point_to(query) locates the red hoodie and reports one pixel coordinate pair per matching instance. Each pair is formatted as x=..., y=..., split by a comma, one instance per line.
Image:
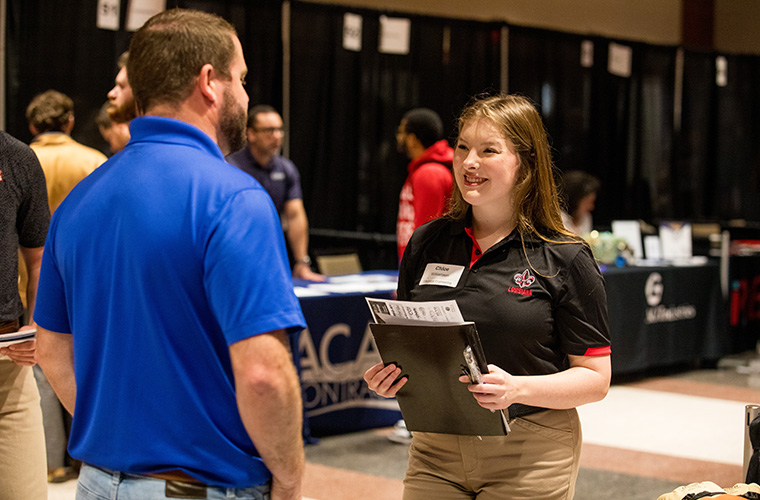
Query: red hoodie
x=426, y=191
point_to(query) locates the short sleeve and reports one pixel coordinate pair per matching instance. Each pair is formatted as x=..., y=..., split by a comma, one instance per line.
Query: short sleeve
x=247, y=278
x=294, y=181
x=581, y=315
x=50, y=311
x=34, y=213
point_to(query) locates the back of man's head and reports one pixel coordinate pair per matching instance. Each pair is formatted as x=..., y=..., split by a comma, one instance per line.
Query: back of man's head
x=425, y=124
x=123, y=59
x=50, y=111
x=167, y=53
x=103, y=119
x=257, y=110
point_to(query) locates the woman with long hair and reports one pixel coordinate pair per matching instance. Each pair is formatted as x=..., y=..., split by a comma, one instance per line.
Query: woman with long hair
x=537, y=298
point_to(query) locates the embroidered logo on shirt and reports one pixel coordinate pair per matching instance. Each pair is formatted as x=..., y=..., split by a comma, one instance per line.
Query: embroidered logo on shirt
x=523, y=280
x=1, y=176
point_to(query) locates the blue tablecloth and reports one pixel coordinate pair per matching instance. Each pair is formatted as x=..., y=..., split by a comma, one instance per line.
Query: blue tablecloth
x=336, y=350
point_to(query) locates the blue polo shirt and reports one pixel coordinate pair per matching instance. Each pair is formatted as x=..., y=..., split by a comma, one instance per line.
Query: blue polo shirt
x=280, y=178
x=156, y=263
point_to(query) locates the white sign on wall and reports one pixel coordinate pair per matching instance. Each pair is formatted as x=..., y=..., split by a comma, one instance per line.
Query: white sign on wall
x=352, y=32
x=619, y=60
x=394, y=35
x=141, y=10
x=721, y=71
x=108, y=15
x=587, y=54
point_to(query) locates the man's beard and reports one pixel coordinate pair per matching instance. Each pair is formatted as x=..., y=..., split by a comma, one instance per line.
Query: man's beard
x=124, y=113
x=232, y=124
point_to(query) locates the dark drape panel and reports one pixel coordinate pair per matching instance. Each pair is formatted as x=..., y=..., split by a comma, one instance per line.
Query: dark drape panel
x=55, y=44
x=650, y=160
x=719, y=144
x=345, y=106
x=695, y=173
x=546, y=66
x=736, y=187
x=259, y=27
x=585, y=109
x=617, y=128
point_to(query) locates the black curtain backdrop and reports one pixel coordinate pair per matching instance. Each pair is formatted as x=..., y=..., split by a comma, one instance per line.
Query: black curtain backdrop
x=259, y=27
x=617, y=128
x=735, y=193
x=695, y=172
x=55, y=44
x=346, y=105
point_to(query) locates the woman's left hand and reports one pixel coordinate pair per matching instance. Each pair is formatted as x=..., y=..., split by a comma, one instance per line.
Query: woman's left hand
x=497, y=391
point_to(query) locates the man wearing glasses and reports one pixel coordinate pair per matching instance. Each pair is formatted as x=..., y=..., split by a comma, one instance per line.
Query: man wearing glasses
x=280, y=178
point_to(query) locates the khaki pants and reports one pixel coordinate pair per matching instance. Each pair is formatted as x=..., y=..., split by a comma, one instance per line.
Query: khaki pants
x=23, y=469
x=539, y=459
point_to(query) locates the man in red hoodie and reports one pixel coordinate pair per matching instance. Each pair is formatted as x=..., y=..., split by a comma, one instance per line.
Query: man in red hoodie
x=428, y=186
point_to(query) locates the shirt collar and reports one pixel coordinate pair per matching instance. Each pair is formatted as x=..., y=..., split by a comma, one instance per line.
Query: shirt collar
x=169, y=130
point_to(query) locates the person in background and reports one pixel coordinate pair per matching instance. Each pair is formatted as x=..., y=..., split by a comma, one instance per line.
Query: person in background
x=166, y=300
x=425, y=192
x=579, y=190
x=537, y=298
x=428, y=185
x=24, y=218
x=123, y=108
x=280, y=177
x=116, y=134
x=65, y=162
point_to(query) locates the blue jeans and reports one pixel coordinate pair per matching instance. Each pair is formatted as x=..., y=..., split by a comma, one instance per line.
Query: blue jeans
x=97, y=484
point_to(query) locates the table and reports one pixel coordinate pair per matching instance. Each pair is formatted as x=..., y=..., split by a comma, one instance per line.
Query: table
x=335, y=351
x=659, y=316
x=665, y=315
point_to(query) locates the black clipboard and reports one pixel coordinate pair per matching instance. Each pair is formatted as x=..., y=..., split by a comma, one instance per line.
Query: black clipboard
x=431, y=356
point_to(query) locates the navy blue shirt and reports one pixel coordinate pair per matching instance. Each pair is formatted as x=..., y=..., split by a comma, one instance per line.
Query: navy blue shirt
x=280, y=178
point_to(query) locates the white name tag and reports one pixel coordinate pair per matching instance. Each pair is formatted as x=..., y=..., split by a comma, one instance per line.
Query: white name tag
x=442, y=275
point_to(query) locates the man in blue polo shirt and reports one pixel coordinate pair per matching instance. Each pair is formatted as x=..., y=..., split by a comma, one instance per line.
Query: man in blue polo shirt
x=167, y=298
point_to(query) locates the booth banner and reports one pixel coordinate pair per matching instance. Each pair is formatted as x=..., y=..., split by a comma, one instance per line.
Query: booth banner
x=335, y=351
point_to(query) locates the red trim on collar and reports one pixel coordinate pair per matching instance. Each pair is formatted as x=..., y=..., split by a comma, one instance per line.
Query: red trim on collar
x=598, y=351
x=476, y=251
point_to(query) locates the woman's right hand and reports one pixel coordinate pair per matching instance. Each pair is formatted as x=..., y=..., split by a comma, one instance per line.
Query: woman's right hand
x=380, y=378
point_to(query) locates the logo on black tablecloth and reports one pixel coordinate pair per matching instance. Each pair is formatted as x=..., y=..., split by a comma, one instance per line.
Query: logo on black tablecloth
x=653, y=289
x=659, y=313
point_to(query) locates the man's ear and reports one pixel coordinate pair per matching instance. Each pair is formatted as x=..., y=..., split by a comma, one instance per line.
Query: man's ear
x=415, y=142
x=208, y=83
x=69, y=125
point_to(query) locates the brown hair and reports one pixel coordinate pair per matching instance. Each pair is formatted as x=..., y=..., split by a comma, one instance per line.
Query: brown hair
x=255, y=111
x=167, y=53
x=536, y=209
x=50, y=111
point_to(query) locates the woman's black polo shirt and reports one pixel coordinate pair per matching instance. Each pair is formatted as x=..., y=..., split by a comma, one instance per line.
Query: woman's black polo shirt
x=532, y=306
